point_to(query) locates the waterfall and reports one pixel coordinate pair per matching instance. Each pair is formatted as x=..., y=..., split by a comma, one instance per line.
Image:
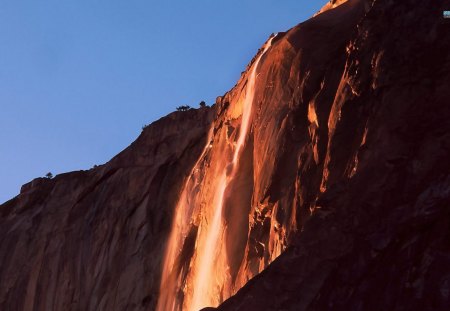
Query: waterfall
x=205, y=280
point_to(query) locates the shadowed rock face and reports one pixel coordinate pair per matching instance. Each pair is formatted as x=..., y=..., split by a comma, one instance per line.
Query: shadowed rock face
x=344, y=172
x=93, y=240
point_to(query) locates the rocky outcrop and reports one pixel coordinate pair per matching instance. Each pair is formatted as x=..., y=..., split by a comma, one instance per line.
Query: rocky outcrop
x=327, y=160
x=378, y=238
x=93, y=240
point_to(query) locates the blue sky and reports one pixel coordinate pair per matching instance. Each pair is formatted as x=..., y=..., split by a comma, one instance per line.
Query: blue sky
x=79, y=78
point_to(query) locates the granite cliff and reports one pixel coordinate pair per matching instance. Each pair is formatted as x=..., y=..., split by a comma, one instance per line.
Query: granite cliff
x=321, y=181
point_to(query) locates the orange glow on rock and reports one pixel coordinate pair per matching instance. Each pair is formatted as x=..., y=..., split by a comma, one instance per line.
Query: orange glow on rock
x=197, y=276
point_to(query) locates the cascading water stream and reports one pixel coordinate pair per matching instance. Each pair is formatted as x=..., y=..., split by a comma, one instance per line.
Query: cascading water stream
x=205, y=282
x=170, y=278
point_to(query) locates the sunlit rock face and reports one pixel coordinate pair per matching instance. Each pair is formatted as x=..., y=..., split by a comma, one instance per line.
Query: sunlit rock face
x=374, y=130
x=326, y=166
x=331, y=5
x=261, y=174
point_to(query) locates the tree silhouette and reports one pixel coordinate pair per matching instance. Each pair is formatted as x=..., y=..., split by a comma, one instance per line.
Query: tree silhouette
x=183, y=108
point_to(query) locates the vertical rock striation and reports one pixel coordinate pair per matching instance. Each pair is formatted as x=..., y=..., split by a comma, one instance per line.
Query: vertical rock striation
x=378, y=237
x=93, y=240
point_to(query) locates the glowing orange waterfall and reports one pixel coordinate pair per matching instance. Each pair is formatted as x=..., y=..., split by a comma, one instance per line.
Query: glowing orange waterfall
x=203, y=278
x=171, y=278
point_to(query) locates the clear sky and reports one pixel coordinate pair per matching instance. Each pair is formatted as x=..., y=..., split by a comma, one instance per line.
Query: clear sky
x=79, y=78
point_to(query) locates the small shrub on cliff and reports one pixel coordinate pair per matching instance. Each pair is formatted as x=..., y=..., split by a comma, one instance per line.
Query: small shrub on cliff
x=202, y=104
x=183, y=108
x=49, y=175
